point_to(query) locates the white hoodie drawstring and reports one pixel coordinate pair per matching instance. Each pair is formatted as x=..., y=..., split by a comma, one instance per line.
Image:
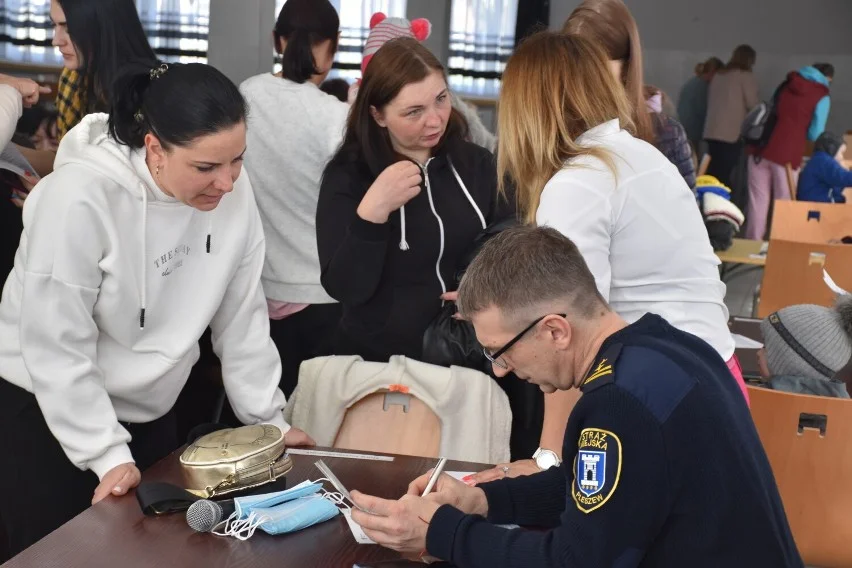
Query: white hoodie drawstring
x=403, y=244
x=143, y=287
x=467, y=194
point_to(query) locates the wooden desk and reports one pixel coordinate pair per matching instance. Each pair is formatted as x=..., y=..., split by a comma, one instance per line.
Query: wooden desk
x=115, y=533
x=747, y=327
x=743, y=251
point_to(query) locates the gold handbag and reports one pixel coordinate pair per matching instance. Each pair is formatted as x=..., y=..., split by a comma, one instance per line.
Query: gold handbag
x=234, y=459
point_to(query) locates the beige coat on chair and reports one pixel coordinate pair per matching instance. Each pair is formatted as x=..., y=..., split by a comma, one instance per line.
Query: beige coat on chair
x=474, y=411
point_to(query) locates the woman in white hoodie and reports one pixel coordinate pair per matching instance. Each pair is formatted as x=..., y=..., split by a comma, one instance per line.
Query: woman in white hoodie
x=144, y=235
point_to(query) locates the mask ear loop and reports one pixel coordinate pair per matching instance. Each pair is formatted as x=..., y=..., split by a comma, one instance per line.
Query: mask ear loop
x=227, y=523
x=247, y=528
x=333, y=496
x=336, y=498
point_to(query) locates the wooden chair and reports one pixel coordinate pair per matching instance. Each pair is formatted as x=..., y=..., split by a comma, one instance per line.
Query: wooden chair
x=794, y=274
x=808, y=441
x=803, y=242
x=703, y=165
x=405, y=425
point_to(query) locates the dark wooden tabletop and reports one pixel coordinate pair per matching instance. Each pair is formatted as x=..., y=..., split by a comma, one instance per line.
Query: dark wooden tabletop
x=748, y=327
x=115, y=533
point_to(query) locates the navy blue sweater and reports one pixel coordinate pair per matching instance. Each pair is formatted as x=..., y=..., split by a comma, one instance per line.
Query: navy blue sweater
x=823, y=180
x=663, y=467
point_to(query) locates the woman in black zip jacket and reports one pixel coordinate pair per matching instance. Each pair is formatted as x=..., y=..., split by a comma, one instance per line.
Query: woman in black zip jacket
x=400, y=204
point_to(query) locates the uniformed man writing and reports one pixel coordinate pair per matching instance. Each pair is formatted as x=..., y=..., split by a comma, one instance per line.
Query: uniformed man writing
x=663, y=465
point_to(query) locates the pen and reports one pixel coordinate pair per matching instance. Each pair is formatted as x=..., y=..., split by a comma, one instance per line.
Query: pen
x=436, y=473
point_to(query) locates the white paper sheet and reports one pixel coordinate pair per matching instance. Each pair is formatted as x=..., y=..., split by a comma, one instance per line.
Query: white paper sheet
x=743, y=342
x=357, y=532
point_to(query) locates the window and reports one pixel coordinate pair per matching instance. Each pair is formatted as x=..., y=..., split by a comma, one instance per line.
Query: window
x=482, y=37
x=26, y=32
x=176, y=29
x=354, y=27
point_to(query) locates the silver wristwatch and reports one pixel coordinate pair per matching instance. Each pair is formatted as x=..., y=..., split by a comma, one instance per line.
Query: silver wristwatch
x=545, y=459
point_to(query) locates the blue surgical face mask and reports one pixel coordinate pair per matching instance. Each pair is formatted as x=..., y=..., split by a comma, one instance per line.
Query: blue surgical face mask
x=244, y=506
x=283, y=518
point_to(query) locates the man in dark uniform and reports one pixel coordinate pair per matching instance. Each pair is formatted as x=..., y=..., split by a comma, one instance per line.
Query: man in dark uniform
x=663, y=464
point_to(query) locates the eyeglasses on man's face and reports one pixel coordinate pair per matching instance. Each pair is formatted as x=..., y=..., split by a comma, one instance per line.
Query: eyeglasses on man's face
x=496, y=358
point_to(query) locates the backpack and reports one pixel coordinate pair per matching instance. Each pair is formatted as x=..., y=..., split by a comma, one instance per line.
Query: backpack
x=760, y=121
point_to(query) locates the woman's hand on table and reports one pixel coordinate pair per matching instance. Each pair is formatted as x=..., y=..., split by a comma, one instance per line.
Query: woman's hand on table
x=296, y=437
x=117, y=481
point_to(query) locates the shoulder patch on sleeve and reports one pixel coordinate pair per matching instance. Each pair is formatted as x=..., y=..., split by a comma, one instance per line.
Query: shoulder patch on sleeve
x=597, y=468
x=603, y=371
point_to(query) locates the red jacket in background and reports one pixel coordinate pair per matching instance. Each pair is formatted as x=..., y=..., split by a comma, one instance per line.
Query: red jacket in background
x=795, y=110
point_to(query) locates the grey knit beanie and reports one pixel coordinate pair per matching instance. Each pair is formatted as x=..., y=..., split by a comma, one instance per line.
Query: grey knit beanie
x=809, y=341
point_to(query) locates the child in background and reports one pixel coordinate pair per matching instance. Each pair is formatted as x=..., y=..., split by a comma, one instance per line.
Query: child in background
x=806, y=347
x=824, y=179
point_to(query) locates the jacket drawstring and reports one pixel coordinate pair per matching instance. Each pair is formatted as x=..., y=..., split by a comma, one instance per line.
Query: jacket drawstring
x=403, y=244
x=143, y=300
x=467, y=194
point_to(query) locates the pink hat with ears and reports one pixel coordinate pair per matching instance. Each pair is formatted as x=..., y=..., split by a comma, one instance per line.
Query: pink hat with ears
x=383, y=29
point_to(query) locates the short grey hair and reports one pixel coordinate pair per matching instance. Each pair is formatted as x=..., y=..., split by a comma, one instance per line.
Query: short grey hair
x=529, y=267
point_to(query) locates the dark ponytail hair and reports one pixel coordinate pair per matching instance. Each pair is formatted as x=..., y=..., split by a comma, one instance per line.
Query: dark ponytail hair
x=177, y=103
x=303, y=24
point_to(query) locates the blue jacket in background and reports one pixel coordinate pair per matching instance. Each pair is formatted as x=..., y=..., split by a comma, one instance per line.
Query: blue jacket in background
x=823, y=179
x=820, y=117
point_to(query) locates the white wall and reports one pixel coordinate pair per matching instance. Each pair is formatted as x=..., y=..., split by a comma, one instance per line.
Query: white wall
x=240, y=42
x=787, y=34
x=438, y=13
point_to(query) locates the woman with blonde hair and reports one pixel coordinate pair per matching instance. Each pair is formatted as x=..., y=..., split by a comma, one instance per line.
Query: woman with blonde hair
x=610, y=24
x=567, y=140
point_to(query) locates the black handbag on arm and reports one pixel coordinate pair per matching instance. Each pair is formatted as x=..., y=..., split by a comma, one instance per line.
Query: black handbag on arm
x=449, y=341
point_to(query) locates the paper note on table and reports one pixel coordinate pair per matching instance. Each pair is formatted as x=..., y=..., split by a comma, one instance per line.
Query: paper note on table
x=359, y=534
x=743, y=342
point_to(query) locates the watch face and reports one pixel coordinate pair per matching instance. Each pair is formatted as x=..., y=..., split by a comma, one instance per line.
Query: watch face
x=546, y=459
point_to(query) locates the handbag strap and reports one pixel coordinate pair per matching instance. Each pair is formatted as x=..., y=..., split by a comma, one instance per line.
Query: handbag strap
x=160, y=498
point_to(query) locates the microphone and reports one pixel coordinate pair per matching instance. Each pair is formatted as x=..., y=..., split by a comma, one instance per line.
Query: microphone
x=204, y=515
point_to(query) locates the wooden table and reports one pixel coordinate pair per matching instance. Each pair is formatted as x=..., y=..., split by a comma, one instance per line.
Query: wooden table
x=748, y=327
x=115, y=533
x=744, y=251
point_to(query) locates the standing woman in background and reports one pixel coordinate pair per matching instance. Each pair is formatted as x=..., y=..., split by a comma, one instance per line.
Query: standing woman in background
x=732, y=93
x=563, y=141
x=96, y=39
x=610, y=24
x=692, y=101
x=294, y=129
x=145, y=234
